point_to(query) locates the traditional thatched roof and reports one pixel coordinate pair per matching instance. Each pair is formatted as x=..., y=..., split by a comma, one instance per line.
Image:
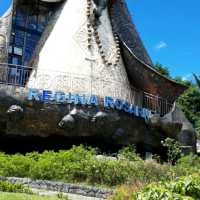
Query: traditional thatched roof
x=141, y=72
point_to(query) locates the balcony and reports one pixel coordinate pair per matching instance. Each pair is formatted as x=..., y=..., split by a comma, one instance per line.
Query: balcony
x=14, y=74
x=18, y=75
x=156, y=104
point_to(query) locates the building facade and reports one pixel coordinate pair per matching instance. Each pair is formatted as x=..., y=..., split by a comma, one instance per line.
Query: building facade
x=88, y=56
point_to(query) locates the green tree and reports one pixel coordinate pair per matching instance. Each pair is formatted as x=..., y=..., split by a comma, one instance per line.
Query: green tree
x=190, y=104
x=197, y=80
x=190, y=99
x=162, y=70
x=180, y=79
x=173, y=149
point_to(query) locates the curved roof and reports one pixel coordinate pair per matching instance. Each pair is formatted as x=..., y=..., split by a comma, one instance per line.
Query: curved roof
x=139, y=66
x=123, y=25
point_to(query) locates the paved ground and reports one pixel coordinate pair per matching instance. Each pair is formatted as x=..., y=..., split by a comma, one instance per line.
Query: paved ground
x=70, y=196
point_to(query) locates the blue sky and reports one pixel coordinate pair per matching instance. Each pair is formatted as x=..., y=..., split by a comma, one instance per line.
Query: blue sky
x=170, y=31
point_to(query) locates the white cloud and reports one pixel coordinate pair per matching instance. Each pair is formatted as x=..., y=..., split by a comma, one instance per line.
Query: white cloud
x=161, y=45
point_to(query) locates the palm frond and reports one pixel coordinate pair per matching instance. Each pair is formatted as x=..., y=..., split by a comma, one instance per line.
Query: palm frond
x=197, y=80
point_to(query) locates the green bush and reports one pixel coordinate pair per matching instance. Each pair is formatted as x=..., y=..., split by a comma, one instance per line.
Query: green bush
x=129, y=153
x=156, y=192
x=184, y=188
x=187, y=165
x=80, y=164
x=173, y=149
x=110, y=172
x=6, y=186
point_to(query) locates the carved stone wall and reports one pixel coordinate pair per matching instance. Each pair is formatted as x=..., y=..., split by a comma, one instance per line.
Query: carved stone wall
x=65, y=63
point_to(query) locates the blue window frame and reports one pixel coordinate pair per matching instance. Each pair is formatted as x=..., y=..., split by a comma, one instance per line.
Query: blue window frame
x=28, y=24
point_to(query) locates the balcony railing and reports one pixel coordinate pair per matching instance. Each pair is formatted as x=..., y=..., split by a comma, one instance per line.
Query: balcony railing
x=18, y=75
x=14, y=74
x=156, y=104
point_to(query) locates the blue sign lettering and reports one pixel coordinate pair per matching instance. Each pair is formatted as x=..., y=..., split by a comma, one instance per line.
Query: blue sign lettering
x=33, y=94
x=109, y=102
x=132, y=110
x=80, y=99
x=126, y=106
x=93, y=100
x=60, y=97
x=47, y=95
x=118, y=104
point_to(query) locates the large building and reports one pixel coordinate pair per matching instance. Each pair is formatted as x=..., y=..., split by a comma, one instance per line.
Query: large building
x=78, y=69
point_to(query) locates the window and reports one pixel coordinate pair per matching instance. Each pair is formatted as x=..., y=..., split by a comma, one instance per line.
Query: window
x=28, y=23
x=15, y=60
x=32, y=22
x=18, y=51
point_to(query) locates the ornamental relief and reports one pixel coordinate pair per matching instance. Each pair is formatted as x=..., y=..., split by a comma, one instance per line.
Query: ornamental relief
x=81, y=39
x=108, y=45
x=61, y=82
x=80, y=85
x=103, y=79
x=43, y=81
x=71, y=83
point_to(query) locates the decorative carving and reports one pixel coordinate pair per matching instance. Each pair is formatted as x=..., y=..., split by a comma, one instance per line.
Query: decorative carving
x=83, y=84
x=61, y=82
x=43, y=81
x=106, y=75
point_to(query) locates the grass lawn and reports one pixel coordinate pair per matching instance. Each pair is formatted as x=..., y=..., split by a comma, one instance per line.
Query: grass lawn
x=17, y=196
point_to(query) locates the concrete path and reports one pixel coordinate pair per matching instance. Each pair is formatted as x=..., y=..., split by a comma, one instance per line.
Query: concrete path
x=69, y=195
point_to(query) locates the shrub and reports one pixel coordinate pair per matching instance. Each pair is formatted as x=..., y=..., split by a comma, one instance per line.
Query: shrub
x=80, y=164
x=184, y=188
x=173, y=149
x=110, y=172
x=6, y=186
x=129, y=153
x=155, y=192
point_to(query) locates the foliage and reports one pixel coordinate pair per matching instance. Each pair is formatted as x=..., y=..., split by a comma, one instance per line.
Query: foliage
x=6, y=186
x=197, y=80
x=184, y=188
x=17, y=196
x=61, y=196
x=190, y=104
x=190, y=100
x=78, y=164
x=173, y=149
x=180, y=79
x=81, y=164
x=129, y=153
x=187, y=165
x=162, y=70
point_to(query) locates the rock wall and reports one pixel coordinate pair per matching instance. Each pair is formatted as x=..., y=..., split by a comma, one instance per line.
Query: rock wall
x=20, y=117
x=62, y=187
